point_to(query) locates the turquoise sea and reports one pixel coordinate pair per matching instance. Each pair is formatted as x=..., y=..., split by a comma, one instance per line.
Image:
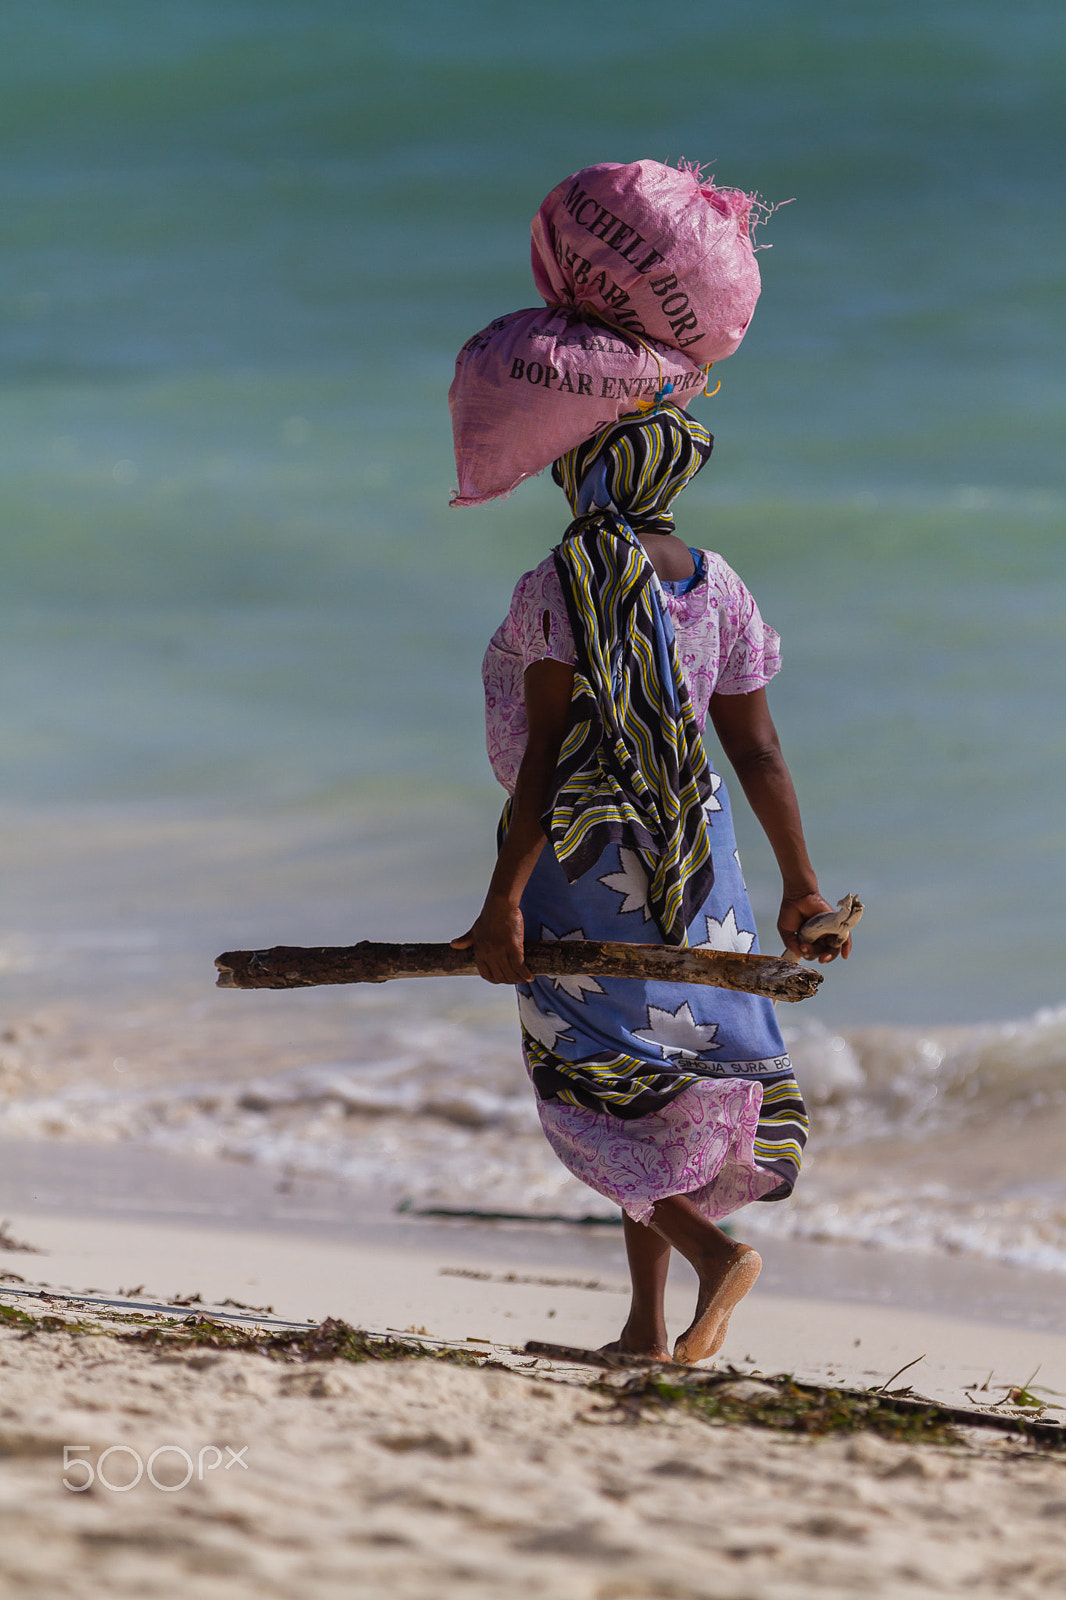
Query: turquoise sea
x=240, y=626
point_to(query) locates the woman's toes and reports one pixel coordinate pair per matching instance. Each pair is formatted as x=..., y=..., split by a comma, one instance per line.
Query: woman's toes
x=706, y=1335
x=653, y=1350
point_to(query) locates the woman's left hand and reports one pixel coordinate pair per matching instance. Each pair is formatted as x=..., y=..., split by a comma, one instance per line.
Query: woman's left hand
x=795, y=911
x=498, y=942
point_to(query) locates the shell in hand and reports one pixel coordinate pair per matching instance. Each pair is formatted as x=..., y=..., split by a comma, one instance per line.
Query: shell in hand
x=833, y=926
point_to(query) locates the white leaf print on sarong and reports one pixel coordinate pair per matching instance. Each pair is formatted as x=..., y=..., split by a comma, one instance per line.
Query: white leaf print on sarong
x=545, y=1026
x=712, y=804
x=577, y=985
x=677, y=1033
x=631, y=883
x=725, y=935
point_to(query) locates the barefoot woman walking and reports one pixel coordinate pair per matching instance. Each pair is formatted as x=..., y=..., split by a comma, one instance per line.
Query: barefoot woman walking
x=677, y=1102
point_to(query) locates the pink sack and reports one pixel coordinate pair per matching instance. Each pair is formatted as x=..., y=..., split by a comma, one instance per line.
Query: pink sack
x=534, y=384
x=653, y=249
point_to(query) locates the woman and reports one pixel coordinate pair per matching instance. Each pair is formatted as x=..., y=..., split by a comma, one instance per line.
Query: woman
x=676, y=1101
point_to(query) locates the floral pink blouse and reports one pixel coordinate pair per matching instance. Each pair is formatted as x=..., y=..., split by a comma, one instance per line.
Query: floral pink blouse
x=724, y=645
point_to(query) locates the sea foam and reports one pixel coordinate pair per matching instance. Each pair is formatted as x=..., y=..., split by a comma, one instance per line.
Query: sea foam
x=440, y=1113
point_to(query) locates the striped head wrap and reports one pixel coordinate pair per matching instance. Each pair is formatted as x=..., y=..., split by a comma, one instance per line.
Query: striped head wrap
x=632, y=769
x=636, y=466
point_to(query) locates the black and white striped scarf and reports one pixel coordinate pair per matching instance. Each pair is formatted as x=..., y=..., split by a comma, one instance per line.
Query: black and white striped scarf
x=632, y=769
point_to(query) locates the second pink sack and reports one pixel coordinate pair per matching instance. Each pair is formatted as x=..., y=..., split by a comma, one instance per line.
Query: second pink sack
x=532, y=385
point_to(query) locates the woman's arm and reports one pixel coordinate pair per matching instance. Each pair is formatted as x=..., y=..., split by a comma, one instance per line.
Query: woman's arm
x=747, y=734
x=498, y=935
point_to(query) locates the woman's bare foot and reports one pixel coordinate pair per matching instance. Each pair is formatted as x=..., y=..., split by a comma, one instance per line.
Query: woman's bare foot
x=644, y=1333
x=653, y=1351
x=722, y=1287
x=641, y=1336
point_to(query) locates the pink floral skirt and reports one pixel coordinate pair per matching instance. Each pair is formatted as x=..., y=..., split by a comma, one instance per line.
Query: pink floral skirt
x=701, y=1145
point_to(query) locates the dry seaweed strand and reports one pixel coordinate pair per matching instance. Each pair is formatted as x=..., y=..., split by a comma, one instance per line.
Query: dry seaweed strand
x=7, y=1242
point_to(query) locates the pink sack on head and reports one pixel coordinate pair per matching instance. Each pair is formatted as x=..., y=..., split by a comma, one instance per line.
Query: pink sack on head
x=652, y=248
x=534, y=384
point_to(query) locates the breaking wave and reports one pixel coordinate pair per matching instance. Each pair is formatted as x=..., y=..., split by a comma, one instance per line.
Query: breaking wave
x=441, y=1114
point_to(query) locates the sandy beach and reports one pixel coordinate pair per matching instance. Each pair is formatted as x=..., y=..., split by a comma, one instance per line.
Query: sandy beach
x=421, y=1478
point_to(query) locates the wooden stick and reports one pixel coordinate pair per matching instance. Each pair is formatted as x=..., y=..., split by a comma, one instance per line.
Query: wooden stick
x=294, y=967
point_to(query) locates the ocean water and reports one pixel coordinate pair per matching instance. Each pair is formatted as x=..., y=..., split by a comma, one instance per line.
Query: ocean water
x=240, y=626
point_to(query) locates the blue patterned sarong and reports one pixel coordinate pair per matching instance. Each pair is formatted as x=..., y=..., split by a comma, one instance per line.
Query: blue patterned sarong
x=629, y=1048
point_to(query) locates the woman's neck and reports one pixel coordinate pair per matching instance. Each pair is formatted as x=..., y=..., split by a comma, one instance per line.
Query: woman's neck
x=670, y=556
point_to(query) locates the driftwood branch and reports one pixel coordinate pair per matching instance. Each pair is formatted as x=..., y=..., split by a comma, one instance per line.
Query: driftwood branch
x=296, y=967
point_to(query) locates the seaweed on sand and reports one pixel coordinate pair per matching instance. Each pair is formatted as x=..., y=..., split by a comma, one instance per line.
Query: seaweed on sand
x=786, y=1405
x=782, y=1404
x=331, y=1340
x=11, y=1316
x=632, y=1388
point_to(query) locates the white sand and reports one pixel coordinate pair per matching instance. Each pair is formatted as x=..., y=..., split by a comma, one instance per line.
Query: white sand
x=423, y=1480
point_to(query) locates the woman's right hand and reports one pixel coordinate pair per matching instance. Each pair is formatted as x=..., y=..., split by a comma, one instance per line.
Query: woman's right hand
x=795, y=911
x=498, y=941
